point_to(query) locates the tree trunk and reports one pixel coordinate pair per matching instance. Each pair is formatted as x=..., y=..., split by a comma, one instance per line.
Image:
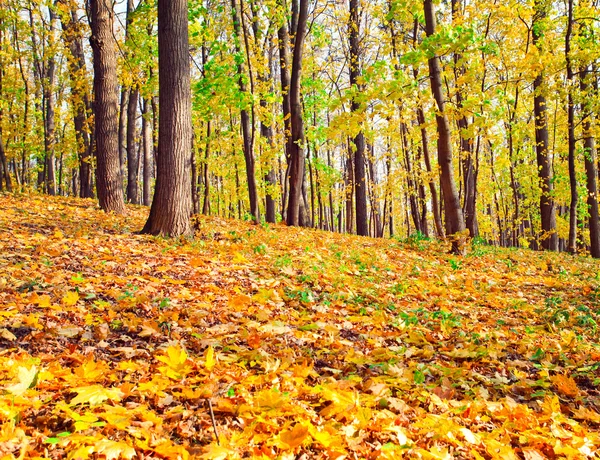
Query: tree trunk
x=108, y=178
x=453, y=212
x=549, y=237
x=133, y=158
x=50, y=125
x=206, y=199
x=147, y=148
x=80, y=97
x=360, y=186
x=572, y=243
x=172, y=203
x=297, y=124
x=245, y=119
x=591, y=166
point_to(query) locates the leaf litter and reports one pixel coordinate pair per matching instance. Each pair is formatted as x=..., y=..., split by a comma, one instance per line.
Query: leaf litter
x=267, y=342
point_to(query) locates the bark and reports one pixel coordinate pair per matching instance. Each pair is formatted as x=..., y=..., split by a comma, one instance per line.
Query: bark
x=206, y=198
x=49, y=98
x=591, y=166
x=245, y=119
x=466, y=147
x=453, y=212
x=147, y=148
x=4, y=173
x=360, y=186
x=572, y=242
x=266, y=130
x=133, y=158
x=123, y=132
x=172, y=203
x=297, y=156
x=108, y=178
x=549, y=237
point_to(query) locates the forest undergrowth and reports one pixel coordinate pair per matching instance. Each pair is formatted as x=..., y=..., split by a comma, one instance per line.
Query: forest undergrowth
x=296, y=343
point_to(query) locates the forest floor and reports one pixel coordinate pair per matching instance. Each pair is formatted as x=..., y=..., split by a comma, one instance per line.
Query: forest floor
x=297, y=343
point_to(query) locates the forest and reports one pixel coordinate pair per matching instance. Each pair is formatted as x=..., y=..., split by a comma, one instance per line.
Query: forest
x=461, y=119
x=297, y=230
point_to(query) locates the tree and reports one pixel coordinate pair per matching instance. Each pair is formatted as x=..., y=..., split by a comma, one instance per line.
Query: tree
x=297, y=156
x=453, y=212
x=549, y=237
x=360, y=186
x=108, y=177
x=80, y=98
x=172, y=204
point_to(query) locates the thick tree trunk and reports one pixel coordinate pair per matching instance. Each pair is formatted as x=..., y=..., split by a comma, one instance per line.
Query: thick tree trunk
x=360, y=186
x=454, y=216
x=297, y=158
x=172, y=203
x=591, y=166
x=549, y=237
x=108, y=178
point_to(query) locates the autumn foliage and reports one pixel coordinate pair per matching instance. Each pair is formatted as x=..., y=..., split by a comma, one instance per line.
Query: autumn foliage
x=297, y=343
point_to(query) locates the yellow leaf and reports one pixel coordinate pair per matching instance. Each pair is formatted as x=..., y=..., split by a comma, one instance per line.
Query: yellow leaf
x=214, y=452
x=27, y=379
x=176, y=361
x=95, y=394
x=294, y=437
x=43, y=301
x=238, y=258
x=70, y=299
x=114, y=450
x=210, y=358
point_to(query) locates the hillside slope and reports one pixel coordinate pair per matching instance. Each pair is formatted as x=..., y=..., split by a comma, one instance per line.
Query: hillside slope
x=306, y=344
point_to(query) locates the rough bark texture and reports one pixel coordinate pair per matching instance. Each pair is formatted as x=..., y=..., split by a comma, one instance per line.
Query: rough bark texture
x=360, y=186
x=591, y=168
x=108, y=177
x=454, y=217
x=297, y=156
x=549, y=237
x=172, y=204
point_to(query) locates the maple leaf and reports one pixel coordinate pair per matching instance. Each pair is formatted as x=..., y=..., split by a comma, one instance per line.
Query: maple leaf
x=113, y=450
x=294, y=437
x=176, y=360
x=95, y=395
x=70, y=299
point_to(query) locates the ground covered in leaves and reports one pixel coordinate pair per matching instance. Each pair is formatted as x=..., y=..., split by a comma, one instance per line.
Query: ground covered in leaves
x=296, y=343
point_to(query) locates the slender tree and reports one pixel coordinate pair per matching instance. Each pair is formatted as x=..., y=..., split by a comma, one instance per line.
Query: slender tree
x=108, y=177
x=455, y=222
x=360, y=186
x=172, y=204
